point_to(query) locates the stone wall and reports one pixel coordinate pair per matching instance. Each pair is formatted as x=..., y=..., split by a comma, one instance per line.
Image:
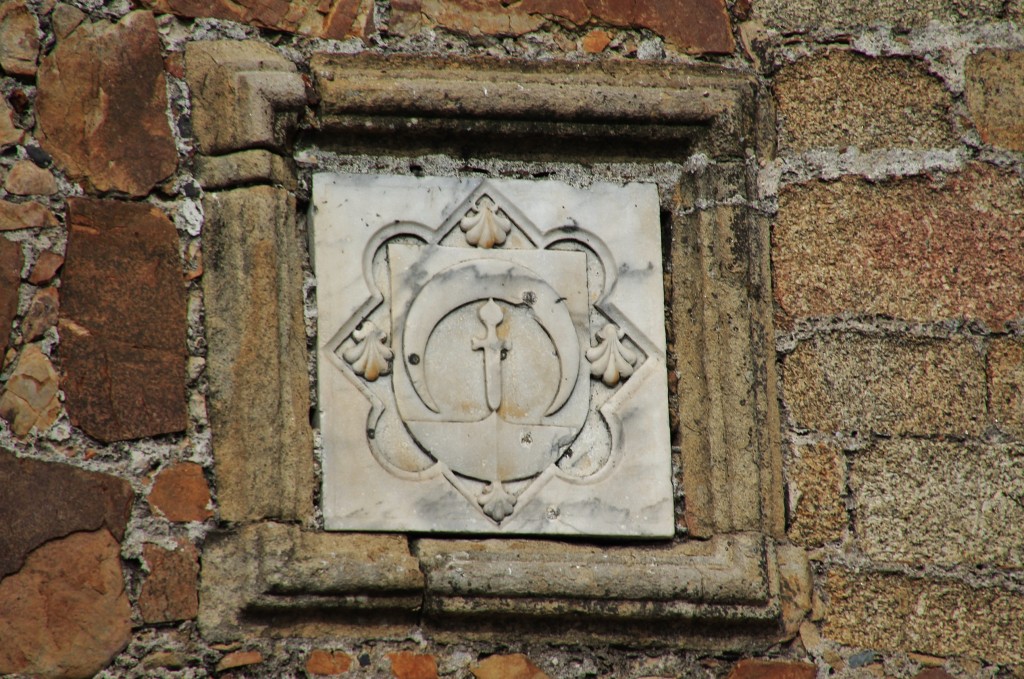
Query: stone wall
x=897, y=255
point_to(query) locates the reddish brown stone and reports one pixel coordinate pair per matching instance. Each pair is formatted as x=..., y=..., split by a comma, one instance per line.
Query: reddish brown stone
x=76, y=500
x=65, y=613
x=239, y=659
x=11, y=261
x=181, y=493
x=326, y=663
x=413, y=666
x=933, y=673
x=101, y=106
x=9, y=134
x=514, y=666
x=46, y=267
x=41, y=314
x=769, y=669
x=30, y=398
x=595, y=41
x=320, y=18
x=993, y=89
x=28, y=179
x=19, y=42
x=170, y=592
x=66, y=18
x=694, y=26
x=122, y=321
x=29, y=215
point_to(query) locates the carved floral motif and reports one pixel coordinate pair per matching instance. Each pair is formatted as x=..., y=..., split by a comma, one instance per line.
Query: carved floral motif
x=371, y=356
x=497, y=502
x=610, y=360
x=488, y=227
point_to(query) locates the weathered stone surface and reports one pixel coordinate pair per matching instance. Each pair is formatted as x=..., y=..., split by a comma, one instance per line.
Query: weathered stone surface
x=45, y=268
x=41, y=314
x=244, y=167
x=945, y=503
x=891, y=612
x=127, y=147
x=595, y=41
x=406, y=665
x=239, y=659
x=334, y=19
x=66, y=18
x=912, y=248
x=65, y=614
x=28, y=215
x=11, y=261
x=30, y=398
x=831, y=16
x=513, y=666
x=772, y=669
x=19, y=40
x=694, y=26
x=180, y=493
x=994, y=88
x=122, y=321
x=796, y=586
x=816, y=485
x=326, y=663
x=843, y=99
x=1006, y=385
x=244, y=94
x=76, y=500
x=256, y=361
x=169, y=592
x=9, y=134
x=28, y=179
x=848, y=382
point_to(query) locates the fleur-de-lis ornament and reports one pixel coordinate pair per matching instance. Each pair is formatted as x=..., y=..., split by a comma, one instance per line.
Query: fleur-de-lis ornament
x=371, y=356
x=488, y=227
x=610, y=360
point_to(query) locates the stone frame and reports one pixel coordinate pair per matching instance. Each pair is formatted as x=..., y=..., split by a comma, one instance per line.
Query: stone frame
x=264, y=572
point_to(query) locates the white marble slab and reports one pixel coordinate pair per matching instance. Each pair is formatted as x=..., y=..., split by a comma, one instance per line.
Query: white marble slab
x=491, y=356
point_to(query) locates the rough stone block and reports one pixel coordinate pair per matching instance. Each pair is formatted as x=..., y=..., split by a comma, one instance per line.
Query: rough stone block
x=256, y=360
x=41, y=314
x=321, y=662
x=65, y=613
x=694, y=26
x=944, y=503
x=27, y=215
x=816, y=482
x=244, y=167
x=28, y=179
x=11, y=261
x=914, y=248
x=893, y=612
x=122, y=321
x=405, y=665
x=169, y=592
x=332, y=19
x=180, y=493
x=512, y=666
x=831, y=16
x=772, y=669
x=843, y=99
x=995, y=88
x=9, y=133
x=1006, y=385
x=243, y=94
x=19, y=39
x=848, y=382
x=76, y=500
x=30, y=397
x=127, y=147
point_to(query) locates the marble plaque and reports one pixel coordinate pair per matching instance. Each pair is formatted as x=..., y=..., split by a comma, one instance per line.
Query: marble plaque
x=491, y=356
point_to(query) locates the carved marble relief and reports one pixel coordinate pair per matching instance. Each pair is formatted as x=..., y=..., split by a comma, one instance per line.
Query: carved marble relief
x=491, y=356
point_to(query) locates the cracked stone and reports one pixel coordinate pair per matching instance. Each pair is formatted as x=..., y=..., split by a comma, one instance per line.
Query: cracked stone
x=30, y=397
x=41, y=314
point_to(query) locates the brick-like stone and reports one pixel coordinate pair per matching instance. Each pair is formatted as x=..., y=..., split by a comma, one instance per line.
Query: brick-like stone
x=127, y=147
x=914, y=248
x=842, y=16
x=843, y=99
x=28, y=179
x=892, y=612
x=817, y=483
x=244, y=167
x=513, y=666
x=239, y=659
x=1006, y=385
x=328, y=663
x=180, y=493
x=19, y=39
x=170, y=590
x=11, y=261
x=65, y=613
x=29, y=399
x=693, y=26
x=45, y=268
x=772, y=669
x=946, y=503
x=892, y=386
x=122, y=321
x=41, y=314
x=994, y=89
x=406, y=665
x=256, y=360
x=9, y=133
x=76, y=500
x=333, y=19
x=27, y=215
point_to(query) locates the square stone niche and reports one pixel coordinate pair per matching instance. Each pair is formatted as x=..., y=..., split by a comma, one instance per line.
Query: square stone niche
x=546, y=404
